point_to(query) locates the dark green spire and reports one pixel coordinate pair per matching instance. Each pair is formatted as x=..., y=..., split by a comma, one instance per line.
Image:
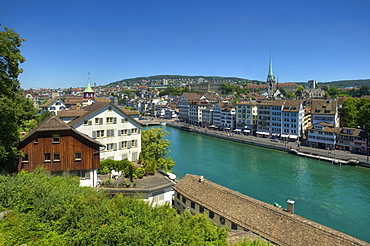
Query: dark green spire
x=270, y=76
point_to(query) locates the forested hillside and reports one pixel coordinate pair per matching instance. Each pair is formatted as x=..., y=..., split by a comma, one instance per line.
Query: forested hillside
x=181, y=79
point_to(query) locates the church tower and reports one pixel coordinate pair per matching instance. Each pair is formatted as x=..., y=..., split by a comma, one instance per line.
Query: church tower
x=88, y=92
x=271, y=81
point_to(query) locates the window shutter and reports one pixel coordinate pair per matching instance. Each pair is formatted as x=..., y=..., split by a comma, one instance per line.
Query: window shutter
x=112, y=132
x=129, y=132
x=119, y=132
x=115, y=146
x=90, y=122
x=101, y=121
x=129, y=144
x=115, y=120
x=94, y=134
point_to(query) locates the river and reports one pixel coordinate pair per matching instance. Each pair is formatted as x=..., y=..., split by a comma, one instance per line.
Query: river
x=337, y=196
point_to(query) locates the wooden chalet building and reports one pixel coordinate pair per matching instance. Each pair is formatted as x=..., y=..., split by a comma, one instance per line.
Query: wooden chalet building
x=60, y=148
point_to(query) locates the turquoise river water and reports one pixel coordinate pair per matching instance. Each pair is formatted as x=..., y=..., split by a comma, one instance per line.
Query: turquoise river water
x=337, y=196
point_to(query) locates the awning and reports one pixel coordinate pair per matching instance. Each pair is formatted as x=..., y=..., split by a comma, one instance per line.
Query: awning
x=247, y=131
x=293, y=136
x=227, y=128
x=237, y=130
x=284, y=136
x=263, y=133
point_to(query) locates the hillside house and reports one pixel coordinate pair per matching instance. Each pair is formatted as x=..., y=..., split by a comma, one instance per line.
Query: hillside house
x=60, y=148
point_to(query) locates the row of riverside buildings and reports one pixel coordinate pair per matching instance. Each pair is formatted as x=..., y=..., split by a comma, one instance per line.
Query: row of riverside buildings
x=315, y=122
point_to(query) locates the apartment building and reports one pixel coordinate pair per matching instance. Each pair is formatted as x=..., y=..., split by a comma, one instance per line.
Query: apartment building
x=118, y=132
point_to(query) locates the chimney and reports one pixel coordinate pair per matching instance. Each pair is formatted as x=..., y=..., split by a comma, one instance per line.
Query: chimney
x=201, y=179
x=290, y=206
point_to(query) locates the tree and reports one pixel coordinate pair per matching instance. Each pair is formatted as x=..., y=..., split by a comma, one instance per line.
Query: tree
x=299, y=91
x=333, y=91
x=350, y=112
x=363, y=104
x=14, y=108
x=154, y=151
x=57, y=211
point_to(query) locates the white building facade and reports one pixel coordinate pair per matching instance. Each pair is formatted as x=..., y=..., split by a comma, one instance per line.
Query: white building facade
x=119, y=133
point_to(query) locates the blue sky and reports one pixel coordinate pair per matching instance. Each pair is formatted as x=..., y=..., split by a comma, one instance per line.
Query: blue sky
x=117, y=39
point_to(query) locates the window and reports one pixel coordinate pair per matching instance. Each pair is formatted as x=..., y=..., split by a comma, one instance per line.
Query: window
x=122, y=132
x=211, y=215
x=201, y=209
x=87, y=122
x=47, y=157
x=25, y=158
x=178, y=196
x=222, y=220
x=36, y=141
x=78, y=156
x=123, y=120
x=123, y=145
x=56, y=157
x=56, y=138
x=134, y=143
x=183, y=200
x=98, y=121
x=98, y=134
x=111, y=120
x=192, y=205
x=110, y=133
x=234, y=226
x=109, y=146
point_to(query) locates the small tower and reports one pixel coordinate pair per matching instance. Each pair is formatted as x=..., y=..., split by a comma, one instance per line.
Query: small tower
x=271, y=80
x=88, y=92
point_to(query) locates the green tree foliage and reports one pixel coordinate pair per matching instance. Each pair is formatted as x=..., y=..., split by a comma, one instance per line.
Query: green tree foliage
x=57, y=211
x=178, y=91
x=154, y=150
x=350, y=113
x=229, y=88
x=14, y=108
x=333, y=92
x=299, y=90
x=363, y=104
x=283, y=92
x=356, y=112
x=362, y=91
x=107, y=165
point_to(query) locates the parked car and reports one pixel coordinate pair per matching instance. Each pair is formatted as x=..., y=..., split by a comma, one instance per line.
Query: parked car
x=274, y=140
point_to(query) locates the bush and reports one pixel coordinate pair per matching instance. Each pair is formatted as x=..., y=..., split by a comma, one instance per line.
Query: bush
x=107, y=165
x=140, y=172
x=57, y=211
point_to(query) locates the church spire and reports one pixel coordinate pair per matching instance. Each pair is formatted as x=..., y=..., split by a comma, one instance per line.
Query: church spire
x=271, y=80
x=89, y=92
x=270, y=76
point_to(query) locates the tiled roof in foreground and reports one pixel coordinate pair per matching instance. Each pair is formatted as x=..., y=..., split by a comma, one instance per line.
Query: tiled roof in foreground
x=272, y=223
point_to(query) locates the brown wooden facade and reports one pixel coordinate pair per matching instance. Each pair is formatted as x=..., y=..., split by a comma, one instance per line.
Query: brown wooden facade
x=59, y=150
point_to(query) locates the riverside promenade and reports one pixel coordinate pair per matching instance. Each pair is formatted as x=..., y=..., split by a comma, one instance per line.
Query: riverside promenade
x=334, y=156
